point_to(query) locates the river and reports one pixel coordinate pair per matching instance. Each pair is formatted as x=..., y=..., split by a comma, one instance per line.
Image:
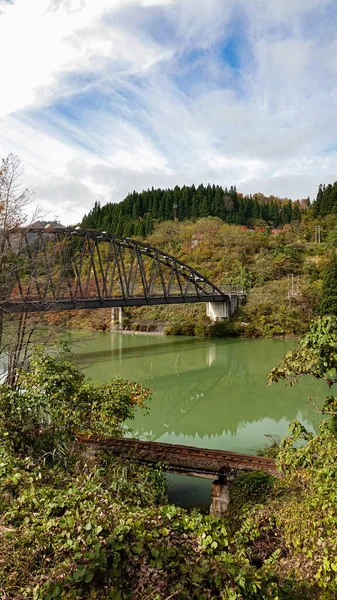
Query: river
x=207, y=393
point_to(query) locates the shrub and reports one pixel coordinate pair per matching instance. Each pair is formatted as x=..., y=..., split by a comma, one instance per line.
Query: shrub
x=54, y=402
x=222, y=329
x=78, y=535
x=185, y=328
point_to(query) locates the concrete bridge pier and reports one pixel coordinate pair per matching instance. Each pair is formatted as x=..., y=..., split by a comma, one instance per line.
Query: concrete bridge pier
x=219, y=311
x=116, y=318
x=235, y=301
x=220, y=496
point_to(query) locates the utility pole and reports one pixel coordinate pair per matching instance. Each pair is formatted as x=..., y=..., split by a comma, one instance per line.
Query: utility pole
x=175, y=206
x=293, y=285
x=317, y=234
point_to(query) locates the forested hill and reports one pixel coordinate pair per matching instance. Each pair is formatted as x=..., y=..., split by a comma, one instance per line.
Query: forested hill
x=135, y=215
x=326, y=201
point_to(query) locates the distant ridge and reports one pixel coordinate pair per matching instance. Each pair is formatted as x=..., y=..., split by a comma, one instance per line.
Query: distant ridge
x=136, y=214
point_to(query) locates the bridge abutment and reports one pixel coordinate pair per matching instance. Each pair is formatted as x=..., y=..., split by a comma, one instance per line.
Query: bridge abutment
x=116, y=322
x=219, y=311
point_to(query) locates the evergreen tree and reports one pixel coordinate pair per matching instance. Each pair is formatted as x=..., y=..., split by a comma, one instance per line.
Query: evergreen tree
x=219, y=205
x=136, y=212
x=194, y=207
x=296, y=216
x=328, y=304
x=273, y=214
x=256, y=210
x=326, y=200
x=148, y=225
x=203, y=208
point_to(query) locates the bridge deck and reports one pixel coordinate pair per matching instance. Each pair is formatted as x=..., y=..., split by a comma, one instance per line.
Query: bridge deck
x=15, y=306
x=186, y=460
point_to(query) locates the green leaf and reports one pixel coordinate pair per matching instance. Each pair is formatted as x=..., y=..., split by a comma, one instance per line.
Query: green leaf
x=79, y=573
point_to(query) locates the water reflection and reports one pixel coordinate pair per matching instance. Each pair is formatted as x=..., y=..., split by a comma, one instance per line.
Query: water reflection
x=209, y=393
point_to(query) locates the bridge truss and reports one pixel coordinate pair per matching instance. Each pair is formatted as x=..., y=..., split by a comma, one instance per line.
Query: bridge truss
x=64, y=269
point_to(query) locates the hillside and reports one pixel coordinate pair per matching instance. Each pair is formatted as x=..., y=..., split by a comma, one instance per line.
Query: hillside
x=281, y=272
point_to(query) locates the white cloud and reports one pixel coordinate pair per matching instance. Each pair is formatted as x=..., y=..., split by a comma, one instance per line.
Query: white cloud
x=42, y=46
x=135, y=112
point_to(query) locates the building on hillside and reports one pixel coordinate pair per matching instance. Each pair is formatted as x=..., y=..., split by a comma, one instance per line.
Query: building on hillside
x=38, y=224
x=47, y=225
x=196, y=239
x=54, y=225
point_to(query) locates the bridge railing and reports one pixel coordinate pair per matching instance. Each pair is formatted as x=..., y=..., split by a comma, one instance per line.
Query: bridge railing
x=233, y=289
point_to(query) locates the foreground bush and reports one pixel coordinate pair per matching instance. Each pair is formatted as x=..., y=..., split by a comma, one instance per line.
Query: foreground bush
x=78, y=525
x=82, y=534
x=293, y=528
x=53, y=402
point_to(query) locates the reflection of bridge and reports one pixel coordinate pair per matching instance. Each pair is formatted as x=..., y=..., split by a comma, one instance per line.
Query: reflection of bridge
x=63, y=269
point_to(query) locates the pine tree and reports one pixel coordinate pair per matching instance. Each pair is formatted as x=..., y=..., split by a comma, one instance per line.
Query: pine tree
x=203, y=208
x=296, y=216
x=256, y=210
x=317, y=206
x=328, y=304
x=194, y=206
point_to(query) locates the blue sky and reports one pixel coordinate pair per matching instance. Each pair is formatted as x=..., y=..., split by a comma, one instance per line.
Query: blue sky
x=103, y=97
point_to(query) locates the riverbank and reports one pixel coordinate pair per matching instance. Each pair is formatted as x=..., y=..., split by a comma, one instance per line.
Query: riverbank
x=187, y=320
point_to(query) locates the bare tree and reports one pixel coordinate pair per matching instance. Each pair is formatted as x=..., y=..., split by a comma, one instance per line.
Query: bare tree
x=13, y=199
x=17, y=331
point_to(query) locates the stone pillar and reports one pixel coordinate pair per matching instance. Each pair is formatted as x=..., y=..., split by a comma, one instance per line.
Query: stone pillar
x=220, y=497
x=116, y=318
x=218, y=311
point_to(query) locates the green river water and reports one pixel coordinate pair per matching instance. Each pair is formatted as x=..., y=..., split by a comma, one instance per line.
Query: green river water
x=207, y=393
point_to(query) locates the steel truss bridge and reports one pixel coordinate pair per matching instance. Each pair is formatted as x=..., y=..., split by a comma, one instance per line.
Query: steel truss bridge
x=71, y=269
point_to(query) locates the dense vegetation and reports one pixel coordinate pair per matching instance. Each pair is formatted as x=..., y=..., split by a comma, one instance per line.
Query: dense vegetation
x=281, y=273
x=137, y=214
x=328, y=304
x=77, y=524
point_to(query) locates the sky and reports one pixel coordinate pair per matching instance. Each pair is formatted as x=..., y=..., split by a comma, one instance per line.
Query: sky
x=103, y=97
